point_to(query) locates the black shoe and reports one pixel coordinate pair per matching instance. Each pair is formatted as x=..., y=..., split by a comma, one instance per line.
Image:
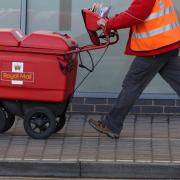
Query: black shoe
x=99, y=126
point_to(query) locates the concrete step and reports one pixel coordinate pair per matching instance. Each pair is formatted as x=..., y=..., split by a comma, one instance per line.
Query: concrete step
x=90, y=169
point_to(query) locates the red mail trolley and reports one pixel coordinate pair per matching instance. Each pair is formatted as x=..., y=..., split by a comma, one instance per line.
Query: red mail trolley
x=38, y=75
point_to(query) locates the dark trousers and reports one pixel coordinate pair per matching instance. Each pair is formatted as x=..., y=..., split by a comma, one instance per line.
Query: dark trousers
x=141, y=72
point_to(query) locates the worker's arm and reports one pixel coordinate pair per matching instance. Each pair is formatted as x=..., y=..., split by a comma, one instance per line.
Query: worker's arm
x=138, y=11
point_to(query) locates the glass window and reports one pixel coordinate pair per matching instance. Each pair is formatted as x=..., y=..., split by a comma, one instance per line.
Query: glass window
x=10, y=13
x=43, y=14
x=65, y=16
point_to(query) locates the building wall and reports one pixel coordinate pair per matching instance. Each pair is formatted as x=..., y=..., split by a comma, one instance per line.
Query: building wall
x=65, y=16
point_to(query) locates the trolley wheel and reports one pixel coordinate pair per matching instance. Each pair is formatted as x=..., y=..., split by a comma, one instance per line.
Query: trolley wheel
x=39, y=123
x=10, y=118
x=2, y=120
x=60, y=122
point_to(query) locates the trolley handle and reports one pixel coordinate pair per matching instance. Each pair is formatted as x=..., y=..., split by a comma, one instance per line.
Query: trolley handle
x=112, y=34
x=108, y=42
x=92, y=47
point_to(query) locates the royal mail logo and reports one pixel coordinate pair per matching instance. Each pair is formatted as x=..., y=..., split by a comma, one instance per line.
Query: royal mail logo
x=17, y=76
x=10, y=76
x=17, y=67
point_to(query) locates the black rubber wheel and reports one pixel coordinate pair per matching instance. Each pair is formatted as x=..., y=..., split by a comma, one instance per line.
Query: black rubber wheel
x=60, y=122
x=2, y=120
x=39, y=123
x=9, y=120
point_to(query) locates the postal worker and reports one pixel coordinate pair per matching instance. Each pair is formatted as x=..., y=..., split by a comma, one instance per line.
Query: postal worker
x=154, y=40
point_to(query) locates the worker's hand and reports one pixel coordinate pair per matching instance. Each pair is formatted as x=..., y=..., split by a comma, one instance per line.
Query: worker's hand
x=102, y=23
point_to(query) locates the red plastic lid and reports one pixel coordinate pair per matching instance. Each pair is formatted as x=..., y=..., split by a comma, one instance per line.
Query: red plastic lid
x=10, y=37
x=48, y=40
x=90, y=19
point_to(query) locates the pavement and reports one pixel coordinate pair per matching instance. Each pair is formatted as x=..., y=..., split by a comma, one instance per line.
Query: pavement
x=41, y=178
x=149, y=147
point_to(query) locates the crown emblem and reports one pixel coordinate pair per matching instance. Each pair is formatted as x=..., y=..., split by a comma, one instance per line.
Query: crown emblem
x=17, y=67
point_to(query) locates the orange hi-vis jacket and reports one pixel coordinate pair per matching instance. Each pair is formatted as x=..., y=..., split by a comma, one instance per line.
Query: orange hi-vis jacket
x=160, y=29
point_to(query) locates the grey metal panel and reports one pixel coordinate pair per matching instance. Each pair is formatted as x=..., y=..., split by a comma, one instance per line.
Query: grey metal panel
x=65, y=15
x=23, y=18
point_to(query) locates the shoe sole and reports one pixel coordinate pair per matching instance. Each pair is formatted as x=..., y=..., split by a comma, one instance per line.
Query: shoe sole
x=111, y=135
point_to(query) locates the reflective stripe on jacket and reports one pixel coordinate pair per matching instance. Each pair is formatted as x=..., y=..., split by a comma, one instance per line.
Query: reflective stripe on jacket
x=160, y=29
